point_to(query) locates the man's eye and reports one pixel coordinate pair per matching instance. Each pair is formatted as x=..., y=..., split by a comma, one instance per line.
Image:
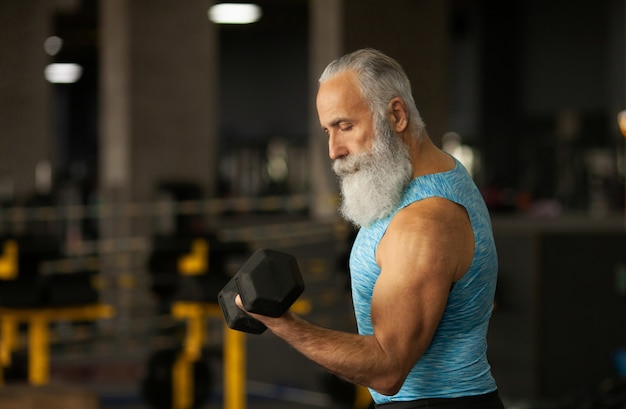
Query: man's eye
x=346, y=128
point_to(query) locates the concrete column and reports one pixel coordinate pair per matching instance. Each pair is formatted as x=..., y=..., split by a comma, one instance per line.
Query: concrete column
x=158, y=91
x=326, y=39
x=115, y=95
x=26, y=131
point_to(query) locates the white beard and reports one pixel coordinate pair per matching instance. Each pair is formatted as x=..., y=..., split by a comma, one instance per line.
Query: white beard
x=372, y=183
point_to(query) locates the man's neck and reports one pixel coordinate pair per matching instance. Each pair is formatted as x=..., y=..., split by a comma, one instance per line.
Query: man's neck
x=426, y=158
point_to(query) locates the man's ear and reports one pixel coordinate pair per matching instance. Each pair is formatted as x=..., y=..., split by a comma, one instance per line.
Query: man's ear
x=398, y=115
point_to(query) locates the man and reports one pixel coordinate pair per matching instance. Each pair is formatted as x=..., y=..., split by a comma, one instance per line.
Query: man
x=423, y=265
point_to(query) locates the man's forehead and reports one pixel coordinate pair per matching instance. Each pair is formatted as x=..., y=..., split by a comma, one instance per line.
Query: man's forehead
x=340, y=92
x=344, y=81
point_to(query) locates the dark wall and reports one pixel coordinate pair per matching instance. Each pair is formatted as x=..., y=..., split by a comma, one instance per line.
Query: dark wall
x=264, y=76
x=559, y=316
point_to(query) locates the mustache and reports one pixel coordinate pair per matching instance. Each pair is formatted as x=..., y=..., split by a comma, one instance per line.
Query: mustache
x=351, y=164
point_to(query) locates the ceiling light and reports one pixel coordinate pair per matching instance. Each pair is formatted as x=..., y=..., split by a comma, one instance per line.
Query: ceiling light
x=63, y=73
x=53, y=45
x=234, y=13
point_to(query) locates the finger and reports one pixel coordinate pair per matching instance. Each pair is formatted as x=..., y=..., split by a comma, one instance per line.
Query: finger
x=239, y=302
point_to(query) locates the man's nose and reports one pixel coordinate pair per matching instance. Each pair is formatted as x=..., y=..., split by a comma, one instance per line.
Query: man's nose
x=336, y=149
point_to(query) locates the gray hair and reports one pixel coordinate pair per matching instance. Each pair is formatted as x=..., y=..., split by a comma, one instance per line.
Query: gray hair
x=380, y=78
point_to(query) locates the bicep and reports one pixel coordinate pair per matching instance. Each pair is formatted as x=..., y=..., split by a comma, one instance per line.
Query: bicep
x=407, y=305
x=410, y=296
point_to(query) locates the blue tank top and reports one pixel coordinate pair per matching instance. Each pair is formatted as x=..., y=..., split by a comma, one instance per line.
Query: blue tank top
x=455, y=363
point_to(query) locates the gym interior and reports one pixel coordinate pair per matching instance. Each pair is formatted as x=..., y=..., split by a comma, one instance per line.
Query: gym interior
x=148, y=149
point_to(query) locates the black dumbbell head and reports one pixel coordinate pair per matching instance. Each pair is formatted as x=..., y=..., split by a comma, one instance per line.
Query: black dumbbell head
x=269, y=282
x=234, y=316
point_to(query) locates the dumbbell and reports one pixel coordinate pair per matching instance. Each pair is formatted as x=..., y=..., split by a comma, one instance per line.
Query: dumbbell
x=268, y=283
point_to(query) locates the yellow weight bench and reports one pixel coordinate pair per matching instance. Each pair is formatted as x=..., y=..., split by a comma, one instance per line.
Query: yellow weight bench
x=234, y=354
x=38, y=320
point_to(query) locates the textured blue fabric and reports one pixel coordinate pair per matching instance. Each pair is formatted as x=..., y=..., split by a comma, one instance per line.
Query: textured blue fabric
x=455, y=364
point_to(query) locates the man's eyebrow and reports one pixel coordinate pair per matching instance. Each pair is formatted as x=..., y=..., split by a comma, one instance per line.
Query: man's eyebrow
x=338, y=121
x=335, y=122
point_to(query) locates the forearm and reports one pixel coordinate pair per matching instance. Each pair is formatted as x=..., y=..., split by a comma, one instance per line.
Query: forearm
x=355, y=358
